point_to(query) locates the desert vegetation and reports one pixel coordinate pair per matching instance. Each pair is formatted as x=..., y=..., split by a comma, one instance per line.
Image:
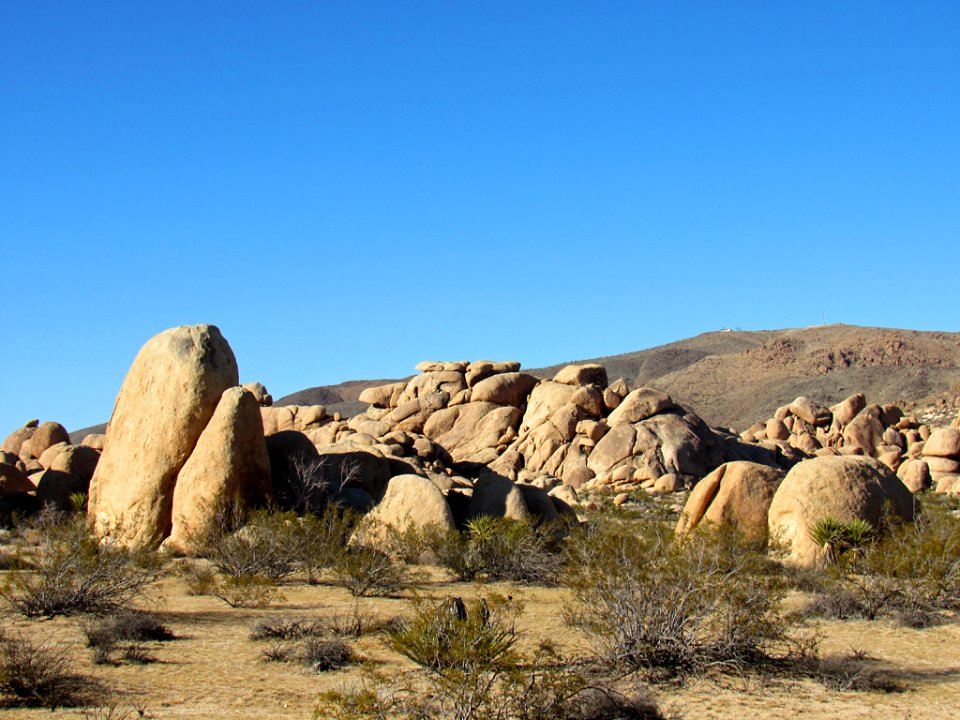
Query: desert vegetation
x=645, y=612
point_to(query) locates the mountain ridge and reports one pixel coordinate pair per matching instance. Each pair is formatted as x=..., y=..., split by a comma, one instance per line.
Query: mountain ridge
x=732, y=378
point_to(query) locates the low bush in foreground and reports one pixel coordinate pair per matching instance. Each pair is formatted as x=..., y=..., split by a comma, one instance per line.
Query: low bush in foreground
x=125, y=634
x=676, y=606
x=40, y=675
x=471, y=670
x=72, y=572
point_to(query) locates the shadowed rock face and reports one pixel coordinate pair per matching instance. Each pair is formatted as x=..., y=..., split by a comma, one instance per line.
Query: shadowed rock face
x=167, y=398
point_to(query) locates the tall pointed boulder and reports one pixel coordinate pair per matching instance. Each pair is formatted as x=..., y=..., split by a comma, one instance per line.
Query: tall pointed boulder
x=166, y=400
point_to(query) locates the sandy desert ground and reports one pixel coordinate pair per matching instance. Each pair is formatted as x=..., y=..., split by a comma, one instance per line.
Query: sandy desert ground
x=214, y=669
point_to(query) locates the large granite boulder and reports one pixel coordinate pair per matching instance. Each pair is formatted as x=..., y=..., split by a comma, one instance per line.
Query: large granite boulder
x=166, y=400
x=228, y=469
x=840, y=487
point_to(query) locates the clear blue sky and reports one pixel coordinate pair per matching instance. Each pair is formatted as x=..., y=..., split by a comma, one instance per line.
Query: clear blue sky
x=348, y=188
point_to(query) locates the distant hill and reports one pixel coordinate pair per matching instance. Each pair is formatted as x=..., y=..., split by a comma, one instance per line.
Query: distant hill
x=733, y=378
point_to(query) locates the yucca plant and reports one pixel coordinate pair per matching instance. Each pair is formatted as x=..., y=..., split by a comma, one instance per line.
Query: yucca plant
x=838, y=538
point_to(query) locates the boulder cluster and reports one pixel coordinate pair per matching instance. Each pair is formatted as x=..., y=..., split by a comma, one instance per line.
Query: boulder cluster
x=39, y=466
x=575, y=429
x=762, y=502
x=459, y=440
x=921, y=456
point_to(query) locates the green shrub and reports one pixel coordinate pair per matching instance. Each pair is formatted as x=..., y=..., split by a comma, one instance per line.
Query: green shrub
x=259, y=543
x=73, y=572
x=912, y=572
x=466, y=650
x=201, y=579
x=500, y=549
x=365, y=571
x=276, y=544
x=247, y=590
x=838, y=538
x=472, y=670
x=451, y=635
x=654, y=603
x=377, y=698
x=323, y=539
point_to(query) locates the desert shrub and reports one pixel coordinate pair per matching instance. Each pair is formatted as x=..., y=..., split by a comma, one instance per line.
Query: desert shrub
x=500, y=549
x=449, y=634
x=465, y=650
x=114, y=711
x=37, y=674
x=263, y=542
x=912, y=572
x=365, y=571
x=73, y=572
x=848, y=672
x=472, y=670
x=128, y=633
x=409, y=544
x=276, y=544
x=605, y=704
x=323, y=539
x=281, y=628
x=357, y=622
x=377, y=698
x=320, y=654
x=323, y=654
x=247, y=590
x=201, y=579
x=670, y=607
x=279, y=652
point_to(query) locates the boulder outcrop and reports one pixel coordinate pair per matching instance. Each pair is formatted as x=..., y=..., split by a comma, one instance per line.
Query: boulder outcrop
x=167, y=398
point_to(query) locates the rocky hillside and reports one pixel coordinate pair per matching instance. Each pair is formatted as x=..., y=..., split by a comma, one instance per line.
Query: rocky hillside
x=734, y=378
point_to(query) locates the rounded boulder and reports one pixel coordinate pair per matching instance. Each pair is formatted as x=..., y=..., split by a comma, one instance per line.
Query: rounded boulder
x=412, y=501
x=841, y=487
x=737, y=494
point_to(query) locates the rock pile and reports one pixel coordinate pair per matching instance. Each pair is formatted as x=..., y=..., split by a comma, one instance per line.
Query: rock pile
x=805, y=429
x=458, y=440
x=938, y=463
x=574, y=429
x=38, y=466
